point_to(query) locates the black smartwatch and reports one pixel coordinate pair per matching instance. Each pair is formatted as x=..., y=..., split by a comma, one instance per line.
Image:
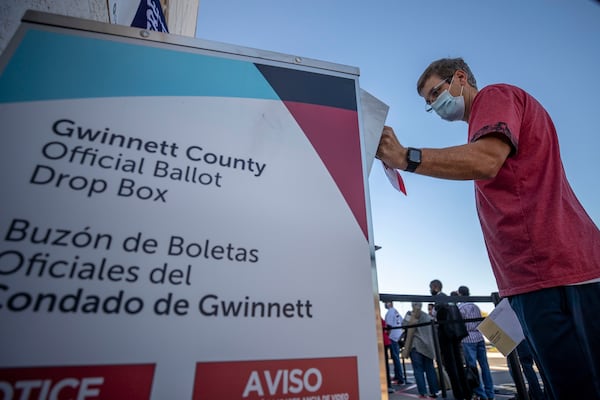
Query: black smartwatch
x=413, y=157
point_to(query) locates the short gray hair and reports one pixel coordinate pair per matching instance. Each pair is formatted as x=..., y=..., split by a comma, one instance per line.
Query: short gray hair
x=445, y=69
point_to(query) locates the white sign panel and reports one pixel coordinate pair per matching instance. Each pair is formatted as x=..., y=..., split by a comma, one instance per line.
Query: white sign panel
x=180, y=224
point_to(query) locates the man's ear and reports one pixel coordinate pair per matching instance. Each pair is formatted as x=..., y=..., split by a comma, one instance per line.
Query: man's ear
x=461, y=76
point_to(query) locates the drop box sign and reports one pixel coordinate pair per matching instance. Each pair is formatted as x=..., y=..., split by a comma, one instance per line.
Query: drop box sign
x=179, y=222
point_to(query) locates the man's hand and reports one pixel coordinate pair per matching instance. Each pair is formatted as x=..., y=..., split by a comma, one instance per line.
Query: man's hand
x=390, y=151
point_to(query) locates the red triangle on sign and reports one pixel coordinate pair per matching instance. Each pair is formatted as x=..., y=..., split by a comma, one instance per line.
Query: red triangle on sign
x=334, y=134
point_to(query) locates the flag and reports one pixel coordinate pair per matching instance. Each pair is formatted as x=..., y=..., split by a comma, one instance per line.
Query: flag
x=149, y=15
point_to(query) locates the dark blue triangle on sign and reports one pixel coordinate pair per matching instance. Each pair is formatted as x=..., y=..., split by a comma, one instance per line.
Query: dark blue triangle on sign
x=310, y=87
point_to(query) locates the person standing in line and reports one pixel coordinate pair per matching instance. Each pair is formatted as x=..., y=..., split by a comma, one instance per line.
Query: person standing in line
x=386, y=348
x=393, y=319
x=430, y=309
x=474, y=347
x=451, y=330
x=435, y=288
x=420, y=348
x=543, y=247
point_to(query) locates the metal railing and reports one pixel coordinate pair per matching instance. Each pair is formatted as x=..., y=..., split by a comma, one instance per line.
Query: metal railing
x=512, y=358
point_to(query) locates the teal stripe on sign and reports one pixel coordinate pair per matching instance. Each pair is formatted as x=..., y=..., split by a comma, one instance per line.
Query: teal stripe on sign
x=49, y=66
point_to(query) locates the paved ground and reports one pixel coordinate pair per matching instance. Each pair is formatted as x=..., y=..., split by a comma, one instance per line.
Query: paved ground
x=504, y=386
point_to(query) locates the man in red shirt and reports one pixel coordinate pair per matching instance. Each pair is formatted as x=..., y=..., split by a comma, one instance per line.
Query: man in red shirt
x=543, y=247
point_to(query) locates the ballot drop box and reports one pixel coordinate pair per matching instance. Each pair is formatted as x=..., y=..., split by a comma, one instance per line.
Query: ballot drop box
x=181, y=219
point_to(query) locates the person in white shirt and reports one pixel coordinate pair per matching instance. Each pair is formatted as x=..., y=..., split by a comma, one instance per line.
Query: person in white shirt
x=393, y=319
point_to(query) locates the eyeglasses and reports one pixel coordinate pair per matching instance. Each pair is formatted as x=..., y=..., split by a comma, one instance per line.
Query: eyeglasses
x=433, y=94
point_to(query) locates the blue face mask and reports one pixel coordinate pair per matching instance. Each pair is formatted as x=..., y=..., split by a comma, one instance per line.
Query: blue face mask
x=449, y=107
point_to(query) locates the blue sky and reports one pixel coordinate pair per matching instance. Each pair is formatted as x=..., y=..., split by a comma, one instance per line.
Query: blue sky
x=548, y=47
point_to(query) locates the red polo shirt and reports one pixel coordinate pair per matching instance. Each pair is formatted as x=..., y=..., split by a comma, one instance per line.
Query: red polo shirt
x=536, y=232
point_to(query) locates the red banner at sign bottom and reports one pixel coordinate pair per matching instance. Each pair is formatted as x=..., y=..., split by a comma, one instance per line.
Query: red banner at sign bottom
x=315, y=378
x=99, y=382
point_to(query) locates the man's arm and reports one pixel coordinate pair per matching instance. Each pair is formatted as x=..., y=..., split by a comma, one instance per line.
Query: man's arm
x=478, y=160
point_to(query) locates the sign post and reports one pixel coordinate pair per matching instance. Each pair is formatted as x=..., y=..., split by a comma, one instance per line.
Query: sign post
x=181, y=219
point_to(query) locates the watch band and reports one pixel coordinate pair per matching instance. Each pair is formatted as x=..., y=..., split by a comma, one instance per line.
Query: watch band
x=413, y=158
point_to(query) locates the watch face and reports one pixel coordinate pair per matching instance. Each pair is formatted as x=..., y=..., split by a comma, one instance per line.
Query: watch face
x=414, y=155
